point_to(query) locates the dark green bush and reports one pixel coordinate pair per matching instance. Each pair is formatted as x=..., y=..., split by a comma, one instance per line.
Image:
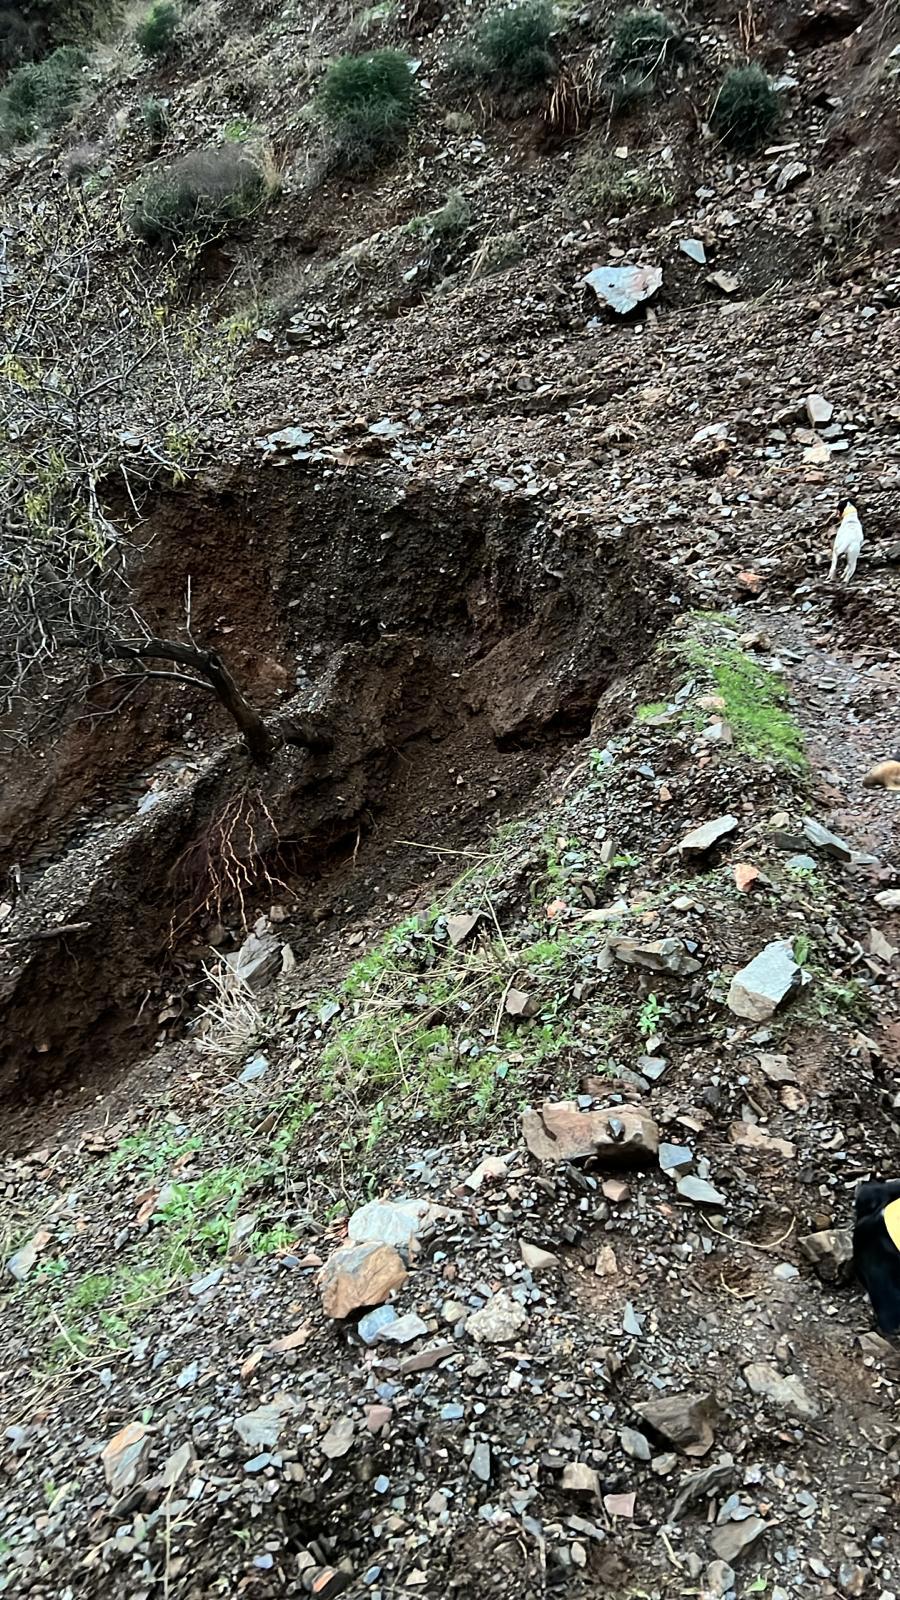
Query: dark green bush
x=514, y=45
x=40, y=95
x=367, y=103
x=745, y=109
x=156, y=34
x=642, y=41
x=199, y=196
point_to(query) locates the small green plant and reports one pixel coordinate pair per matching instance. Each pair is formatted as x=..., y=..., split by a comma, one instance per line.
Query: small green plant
x=156, y=119
x=201, y=195
x=651, y=1015
x=367, y=103
x=513, y=45
x=605, y=184
x=642, y=42
x=499, y=251
x=40, y=95
x=745, y=109
x=451, y=219
x=155, y=36
x=801, y=949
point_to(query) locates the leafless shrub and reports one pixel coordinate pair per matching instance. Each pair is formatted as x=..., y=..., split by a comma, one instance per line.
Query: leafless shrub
x=103, y=386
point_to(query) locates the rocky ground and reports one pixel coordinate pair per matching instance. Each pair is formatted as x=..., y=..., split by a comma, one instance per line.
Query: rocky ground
x=493, y=1240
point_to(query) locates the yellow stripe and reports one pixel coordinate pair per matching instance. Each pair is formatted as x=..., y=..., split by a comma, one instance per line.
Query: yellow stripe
x=891, y=1216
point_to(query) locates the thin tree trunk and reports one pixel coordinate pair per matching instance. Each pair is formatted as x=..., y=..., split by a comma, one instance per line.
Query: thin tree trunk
x=215, y=678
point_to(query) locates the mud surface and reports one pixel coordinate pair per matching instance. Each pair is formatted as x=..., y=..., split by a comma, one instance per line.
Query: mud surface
x=452, y=663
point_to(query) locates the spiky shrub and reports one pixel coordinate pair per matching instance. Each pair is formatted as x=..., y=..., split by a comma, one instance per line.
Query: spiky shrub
x=200, y=196
x=642, y=42
x=40, y=95
x=513, y=45
x=155, y=36
x=745, y=109
x=367, y=104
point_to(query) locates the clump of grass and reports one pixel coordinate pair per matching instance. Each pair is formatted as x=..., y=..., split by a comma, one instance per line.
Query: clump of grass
x=602, y=183
x=512, y=47
x=642, y=42
x=367, y=103
x=201, y=195
x=755, y=703
x=745, y=109
x=498, y=252
x=155, y=36
x=450, y=219
x=40, y=95
x=422, y=1020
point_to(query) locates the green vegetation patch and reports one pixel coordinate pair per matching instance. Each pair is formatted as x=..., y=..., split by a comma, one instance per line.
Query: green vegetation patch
x=601, y=182
x=201, y=195
x=755, y=702
x=746, y=108
x=642, y=41
x=420, y=1019
x=512, y=46
x=40, y=95
x=155, y=36
x=367, y=103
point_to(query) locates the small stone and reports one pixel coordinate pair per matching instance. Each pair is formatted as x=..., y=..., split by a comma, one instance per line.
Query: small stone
x=500, y=1321
x=684, y=1420
x=657, y=955
x=338, y=1441
x=254, y=1069
x=786, y=1393
x=875, y=944
x=852, y=1579
x=260, y=1429
x=606, y=1265
x=623, y=288
x=378, y=1417
x=823, y=839
x=776, y=1069
x=459, y=928
x=396, y=1222
x=757, y=990
x=675, y=1158
x=493, y=1169
x=480, y=1466
x=750, y=1137
x=431, y=1356
x=786, y=1272
x=581, y=1479
x=536, y=1259
x=616, y=1191
x=831, y=1253
x=634, y=1444
x=735, y=1539
x=371, y=1327
x=888, y=899
x=125, y=1457
x=404, y=1329
x=819, y=410
x=359, y=1275
x=700, y=1192
x=702, y=839
x=720, y=1578
x=693, y=249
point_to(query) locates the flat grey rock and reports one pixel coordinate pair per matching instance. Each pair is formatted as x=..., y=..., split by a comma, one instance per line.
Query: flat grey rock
x=821, y=838
x=757, y=990
x=699, y=840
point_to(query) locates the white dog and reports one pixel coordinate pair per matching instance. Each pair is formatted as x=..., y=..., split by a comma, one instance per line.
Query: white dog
x=848, y=541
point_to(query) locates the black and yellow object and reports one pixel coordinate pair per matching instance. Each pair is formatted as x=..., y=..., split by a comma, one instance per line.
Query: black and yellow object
x=876, y=1249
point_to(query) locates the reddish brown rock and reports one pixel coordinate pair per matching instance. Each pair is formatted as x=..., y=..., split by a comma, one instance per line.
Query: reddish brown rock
x=359, y=1275
x=560, y=1132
